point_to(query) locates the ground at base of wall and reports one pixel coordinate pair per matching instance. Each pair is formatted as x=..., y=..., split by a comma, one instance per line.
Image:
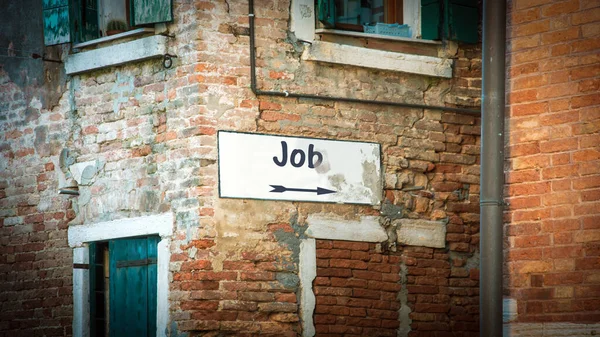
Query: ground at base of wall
x=551, y=329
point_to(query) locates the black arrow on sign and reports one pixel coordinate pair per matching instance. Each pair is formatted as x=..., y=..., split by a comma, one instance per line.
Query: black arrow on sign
x=319, y=190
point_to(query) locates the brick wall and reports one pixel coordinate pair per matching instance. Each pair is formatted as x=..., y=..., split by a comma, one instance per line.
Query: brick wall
x=442, y=292
x=234, y=263
x=35, y=263
x=553, y=160
x=246, y=296
x=356, y=290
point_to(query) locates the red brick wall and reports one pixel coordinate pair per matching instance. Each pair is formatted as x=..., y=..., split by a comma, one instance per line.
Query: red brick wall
x=553, y=160
x=244, y=298
x=356, y=290
x=359, y=291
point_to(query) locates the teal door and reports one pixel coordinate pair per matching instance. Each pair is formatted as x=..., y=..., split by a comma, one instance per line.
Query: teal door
x=133, y=282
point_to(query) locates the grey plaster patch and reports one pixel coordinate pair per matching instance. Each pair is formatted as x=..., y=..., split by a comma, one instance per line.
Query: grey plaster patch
x=174, y=329
x=149, y=201
x=84, y=196
x=392, y=211
x=404, y=311
x=426, y=233
x=87, y=175
x=288, y=280
x=123, y=88
x=291, y=240
x=41, y=143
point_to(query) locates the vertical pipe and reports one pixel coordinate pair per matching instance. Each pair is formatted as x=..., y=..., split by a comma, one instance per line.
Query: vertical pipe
x=252, y=51
x=492, y=173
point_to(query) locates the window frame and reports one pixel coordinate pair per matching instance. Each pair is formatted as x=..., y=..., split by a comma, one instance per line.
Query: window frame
x=303, y=22
x=411, y=13
x=64, y=20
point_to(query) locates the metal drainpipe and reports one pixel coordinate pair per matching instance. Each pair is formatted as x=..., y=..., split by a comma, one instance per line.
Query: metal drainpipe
x=492, y=172
x=259, y=92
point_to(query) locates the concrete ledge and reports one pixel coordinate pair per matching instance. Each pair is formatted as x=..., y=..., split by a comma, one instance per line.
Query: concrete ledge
x=161, y=224
x=136, y=50
x=415, y=232
x=378, y=59
x=332, y=227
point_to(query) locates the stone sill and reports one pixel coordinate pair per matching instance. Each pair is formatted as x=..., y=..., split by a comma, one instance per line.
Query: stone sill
x=105, y=39
x=132, y=51
x=329, y=52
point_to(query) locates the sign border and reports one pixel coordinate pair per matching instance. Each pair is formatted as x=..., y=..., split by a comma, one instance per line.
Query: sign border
x=289, y=136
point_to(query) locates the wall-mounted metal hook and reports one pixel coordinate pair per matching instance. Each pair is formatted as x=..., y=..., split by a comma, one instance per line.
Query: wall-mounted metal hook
x=38, y=56
x=168, y=60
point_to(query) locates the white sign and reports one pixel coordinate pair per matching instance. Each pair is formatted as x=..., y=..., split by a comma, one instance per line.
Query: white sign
x=255, y=166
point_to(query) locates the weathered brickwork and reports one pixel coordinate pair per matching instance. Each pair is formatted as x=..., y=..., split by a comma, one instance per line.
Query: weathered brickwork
x=234, y=264
x=553, y=161
x=35, y=261
x=356, y=290
x=249, y=295
x=442, y=292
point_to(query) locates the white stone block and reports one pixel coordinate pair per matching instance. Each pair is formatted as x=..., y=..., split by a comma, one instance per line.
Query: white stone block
x=136, y=50
x=333, y=227
x=378, y=59
x=426, y=233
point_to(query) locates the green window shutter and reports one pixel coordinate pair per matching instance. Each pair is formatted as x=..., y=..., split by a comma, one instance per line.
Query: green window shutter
x=133, y=282
x=462, y=21
x=430, y=19
x=57, y=28
x=150, y=11
x=91, y=29
x=84, y=14
x=326, y=10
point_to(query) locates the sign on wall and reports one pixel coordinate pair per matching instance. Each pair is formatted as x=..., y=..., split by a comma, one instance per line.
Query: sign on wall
x=257, y=166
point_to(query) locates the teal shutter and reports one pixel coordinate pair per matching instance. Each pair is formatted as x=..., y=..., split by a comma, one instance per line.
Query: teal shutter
x=57, y=27
x=430, y=19
x=462, y=21
x=456, y=20
x=327, y=12
x=84, y=14
x=90, y=27
x=150, y=11
x=133, y=283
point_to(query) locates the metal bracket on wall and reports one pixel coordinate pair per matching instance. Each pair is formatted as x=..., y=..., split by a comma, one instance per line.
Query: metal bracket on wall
x=168, y=60
x=38, y=56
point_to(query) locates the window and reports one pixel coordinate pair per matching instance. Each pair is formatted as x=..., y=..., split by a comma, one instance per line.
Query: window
x=361, y=15
x=456, y=20
x=84, y=20
x=123, y=287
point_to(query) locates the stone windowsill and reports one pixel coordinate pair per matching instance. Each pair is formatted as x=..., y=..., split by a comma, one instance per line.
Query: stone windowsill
x=137, y=50
x=129, y=33
x=330, y=52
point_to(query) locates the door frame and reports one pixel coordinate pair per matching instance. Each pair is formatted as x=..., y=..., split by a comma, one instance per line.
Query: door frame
x=79, y=237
